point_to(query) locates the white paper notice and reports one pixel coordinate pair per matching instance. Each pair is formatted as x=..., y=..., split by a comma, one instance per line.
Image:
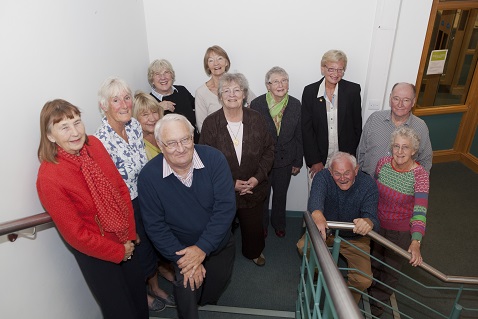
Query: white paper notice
x=436, y=65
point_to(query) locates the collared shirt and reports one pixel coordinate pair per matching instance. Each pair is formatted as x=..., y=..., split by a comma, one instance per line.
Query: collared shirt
x=129, y=157
x=160, y=96
x=332, y=119
x=188, y=180
x=375, y=141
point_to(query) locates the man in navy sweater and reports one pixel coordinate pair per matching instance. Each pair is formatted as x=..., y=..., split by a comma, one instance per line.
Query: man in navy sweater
x=343, y=193
x=188, y=203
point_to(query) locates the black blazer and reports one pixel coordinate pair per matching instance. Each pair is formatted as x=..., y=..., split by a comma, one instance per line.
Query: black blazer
x=315, y=134
x=288, y=145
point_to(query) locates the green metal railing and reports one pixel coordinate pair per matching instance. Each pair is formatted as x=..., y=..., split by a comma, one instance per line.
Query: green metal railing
x=322, y=291
x=316, y=291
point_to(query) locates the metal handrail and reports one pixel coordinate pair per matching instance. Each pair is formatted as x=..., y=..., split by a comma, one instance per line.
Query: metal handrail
x=11, y=227
x=340, y=294
x=16, y=225
x=386, y=243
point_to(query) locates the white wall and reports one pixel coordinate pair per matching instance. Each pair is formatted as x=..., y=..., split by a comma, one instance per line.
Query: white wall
x=258, y=35
x=65, y=49
x=54, y=49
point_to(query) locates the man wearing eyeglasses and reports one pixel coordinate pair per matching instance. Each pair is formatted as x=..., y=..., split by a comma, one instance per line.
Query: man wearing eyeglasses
x=188, y=203
x=343, y=193
x=375, y=140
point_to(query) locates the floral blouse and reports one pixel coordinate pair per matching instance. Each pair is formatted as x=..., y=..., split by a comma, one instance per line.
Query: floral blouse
x=129, y=158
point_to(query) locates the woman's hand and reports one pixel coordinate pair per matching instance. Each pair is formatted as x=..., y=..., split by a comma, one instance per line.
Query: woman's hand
x=314, y=169
x=128, y=250
x=295, y=170
x=414, y=249
x=245, y=187
x=252, y=182
x=167, y=105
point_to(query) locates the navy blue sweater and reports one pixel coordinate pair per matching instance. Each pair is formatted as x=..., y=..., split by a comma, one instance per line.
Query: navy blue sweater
x=359, y=201
x=176, y=216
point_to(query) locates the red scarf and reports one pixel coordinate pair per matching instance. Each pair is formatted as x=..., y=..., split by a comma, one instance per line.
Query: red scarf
x=112, y=210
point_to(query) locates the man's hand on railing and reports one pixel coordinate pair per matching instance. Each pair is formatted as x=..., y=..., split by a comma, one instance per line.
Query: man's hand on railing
x=362, y=226
x=320, y=222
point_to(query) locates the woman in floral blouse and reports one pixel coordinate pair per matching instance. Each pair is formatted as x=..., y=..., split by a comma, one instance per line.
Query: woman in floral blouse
x=122, y=136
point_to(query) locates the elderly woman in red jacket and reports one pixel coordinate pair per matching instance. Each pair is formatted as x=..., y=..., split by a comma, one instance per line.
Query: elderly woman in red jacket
x=80, y=187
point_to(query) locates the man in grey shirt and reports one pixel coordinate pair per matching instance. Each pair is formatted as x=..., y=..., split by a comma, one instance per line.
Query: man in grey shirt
x=375, y=140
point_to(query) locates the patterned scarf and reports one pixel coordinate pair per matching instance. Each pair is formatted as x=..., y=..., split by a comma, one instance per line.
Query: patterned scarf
x=276, y=109
x=112, y=213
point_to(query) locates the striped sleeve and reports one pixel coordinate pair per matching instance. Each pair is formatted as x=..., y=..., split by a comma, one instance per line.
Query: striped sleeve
x=419, y=220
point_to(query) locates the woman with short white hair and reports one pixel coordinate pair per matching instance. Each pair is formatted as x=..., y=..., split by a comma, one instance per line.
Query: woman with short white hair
x=403, y=186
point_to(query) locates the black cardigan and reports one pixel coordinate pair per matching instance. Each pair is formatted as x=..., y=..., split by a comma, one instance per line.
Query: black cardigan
x=184, y=106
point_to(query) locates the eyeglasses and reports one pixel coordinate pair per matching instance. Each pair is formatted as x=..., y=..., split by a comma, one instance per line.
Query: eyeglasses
x=406, y=101
x=162, y=74
x=332, y=70
x=187, y=141
x=233, y=92
x=347, y=174
x=404, y=148
x=277, y=82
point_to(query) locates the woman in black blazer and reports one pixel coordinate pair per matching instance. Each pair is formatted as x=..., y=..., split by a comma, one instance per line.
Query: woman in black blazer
x=331, y=114
x=282, y=114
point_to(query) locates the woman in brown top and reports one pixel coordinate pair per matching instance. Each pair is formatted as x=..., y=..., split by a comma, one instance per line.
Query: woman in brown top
x=241, y=134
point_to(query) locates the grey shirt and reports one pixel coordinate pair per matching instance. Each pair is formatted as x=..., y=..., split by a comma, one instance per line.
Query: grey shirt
x=375, y=141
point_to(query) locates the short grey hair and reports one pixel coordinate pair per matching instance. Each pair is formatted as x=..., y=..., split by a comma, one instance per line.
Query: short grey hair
x=160, y=66
x=275, y=70
x=237, y=78
x=408, y=133
x=112, y=86
x=343, y=155
x=171, y=117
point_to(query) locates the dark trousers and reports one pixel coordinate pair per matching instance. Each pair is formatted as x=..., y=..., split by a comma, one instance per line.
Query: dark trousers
x=218, y=274
x=118, y=288
x=145, y=251
x=384, y=274
x=279, y=180
x=252, y=233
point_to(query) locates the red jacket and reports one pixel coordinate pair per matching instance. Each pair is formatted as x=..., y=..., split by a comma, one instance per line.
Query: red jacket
x=63, y=191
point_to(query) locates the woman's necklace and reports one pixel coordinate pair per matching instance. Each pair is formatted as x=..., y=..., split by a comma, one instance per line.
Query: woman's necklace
x=330, y=92
x=235, y=140
x=211, y=85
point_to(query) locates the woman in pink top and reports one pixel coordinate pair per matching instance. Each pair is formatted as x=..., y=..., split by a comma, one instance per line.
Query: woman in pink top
x=403, y=186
